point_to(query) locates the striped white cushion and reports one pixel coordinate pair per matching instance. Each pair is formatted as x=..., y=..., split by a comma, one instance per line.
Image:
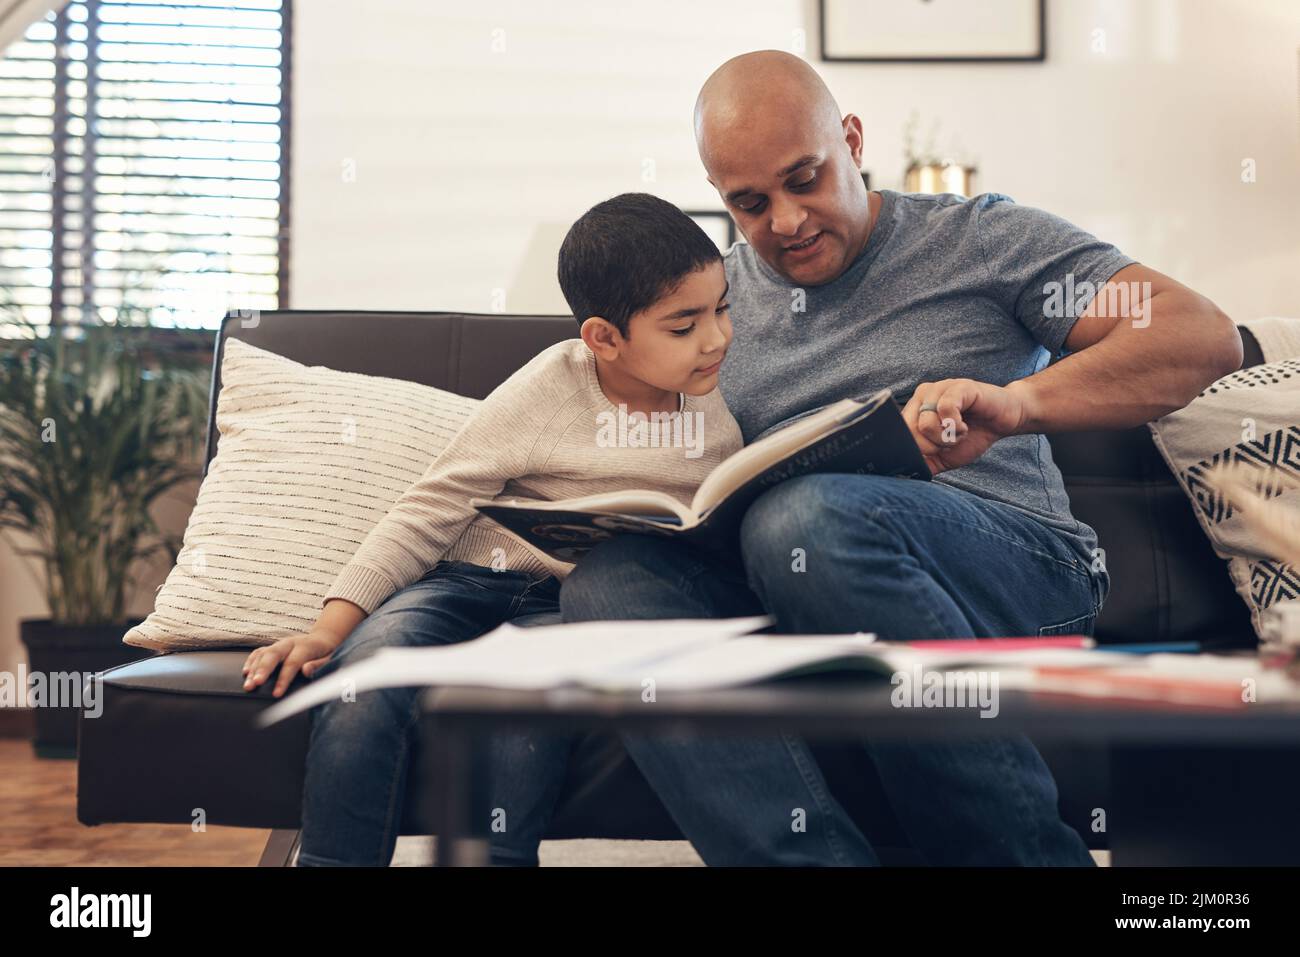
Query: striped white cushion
x=309, y=460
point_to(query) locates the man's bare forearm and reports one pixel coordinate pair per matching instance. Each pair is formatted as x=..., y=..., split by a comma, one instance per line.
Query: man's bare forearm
x=1139, y=371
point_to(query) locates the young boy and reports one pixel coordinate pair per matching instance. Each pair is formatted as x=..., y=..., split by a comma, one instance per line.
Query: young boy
x=648, y=290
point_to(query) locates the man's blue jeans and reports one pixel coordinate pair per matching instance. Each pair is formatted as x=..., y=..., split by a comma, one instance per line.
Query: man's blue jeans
x=840, y=554
x=359, y=750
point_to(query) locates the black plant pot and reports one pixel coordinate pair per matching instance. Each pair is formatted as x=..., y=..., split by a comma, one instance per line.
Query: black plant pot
x=57, y=652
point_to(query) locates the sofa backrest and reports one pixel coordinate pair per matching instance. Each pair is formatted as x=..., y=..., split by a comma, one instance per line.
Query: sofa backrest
x=1166, y=582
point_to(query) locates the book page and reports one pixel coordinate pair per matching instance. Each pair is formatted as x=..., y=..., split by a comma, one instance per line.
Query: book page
x=739, y=468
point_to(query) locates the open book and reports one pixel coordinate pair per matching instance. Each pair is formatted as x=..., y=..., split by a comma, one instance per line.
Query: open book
x=866, y=435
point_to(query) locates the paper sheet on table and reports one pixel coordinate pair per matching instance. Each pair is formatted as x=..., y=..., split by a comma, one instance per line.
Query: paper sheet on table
x=741, y=661
x=545, y=656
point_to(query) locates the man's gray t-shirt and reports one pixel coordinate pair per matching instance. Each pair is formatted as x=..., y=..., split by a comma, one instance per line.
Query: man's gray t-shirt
x=945, y=288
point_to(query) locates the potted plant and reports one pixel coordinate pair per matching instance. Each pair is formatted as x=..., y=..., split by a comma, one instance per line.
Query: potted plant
x=96, y=422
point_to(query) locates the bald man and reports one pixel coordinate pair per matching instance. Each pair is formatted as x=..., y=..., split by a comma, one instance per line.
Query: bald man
x=957, y=306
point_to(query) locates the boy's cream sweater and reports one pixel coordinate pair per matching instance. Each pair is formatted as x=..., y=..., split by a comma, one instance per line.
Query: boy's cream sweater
x=539, y=435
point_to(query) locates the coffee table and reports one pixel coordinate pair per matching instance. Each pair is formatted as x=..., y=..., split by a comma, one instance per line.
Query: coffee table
x=1189, y=785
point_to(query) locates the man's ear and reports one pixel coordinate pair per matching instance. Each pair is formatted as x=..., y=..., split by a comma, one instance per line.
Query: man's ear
x=853, y=137
x=601, y=337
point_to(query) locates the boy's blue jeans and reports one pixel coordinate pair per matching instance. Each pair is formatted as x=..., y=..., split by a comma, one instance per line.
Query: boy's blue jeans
x=840, y=554
x=359, y=750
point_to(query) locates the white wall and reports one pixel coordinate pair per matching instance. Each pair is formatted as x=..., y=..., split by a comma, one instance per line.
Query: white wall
x=469, y=164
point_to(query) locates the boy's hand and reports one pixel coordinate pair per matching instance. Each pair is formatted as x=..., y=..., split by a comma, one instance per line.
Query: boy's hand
x=967, y=418
x=305, y=652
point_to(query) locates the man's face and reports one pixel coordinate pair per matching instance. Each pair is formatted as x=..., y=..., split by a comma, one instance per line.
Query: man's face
x=796, y=195
x=678, y=343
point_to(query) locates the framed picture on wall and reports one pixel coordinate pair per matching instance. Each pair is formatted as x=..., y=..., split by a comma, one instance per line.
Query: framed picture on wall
x=717, y=223
x=933, y=31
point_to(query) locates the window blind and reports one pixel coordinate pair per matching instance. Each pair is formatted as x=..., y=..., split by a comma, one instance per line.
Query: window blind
x=144, y=158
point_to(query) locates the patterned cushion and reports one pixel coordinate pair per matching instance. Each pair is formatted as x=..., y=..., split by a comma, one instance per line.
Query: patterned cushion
x=1248, y=420
x=309, y=460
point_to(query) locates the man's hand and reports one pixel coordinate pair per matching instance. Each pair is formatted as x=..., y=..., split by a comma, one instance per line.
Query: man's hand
x=967, y=417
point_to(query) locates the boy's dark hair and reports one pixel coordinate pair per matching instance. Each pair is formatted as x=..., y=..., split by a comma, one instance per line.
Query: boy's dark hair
x=627, y=253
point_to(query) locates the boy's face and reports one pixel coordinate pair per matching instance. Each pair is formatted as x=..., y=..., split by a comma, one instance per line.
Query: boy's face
x=678, y=343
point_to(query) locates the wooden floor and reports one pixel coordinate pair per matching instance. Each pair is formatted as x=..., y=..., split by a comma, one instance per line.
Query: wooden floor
x=39, y=826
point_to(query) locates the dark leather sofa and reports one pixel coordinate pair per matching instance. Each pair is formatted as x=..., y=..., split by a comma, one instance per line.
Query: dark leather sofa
x=175, y=733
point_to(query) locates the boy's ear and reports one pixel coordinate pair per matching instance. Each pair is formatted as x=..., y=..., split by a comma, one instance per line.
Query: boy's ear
x=601, y=337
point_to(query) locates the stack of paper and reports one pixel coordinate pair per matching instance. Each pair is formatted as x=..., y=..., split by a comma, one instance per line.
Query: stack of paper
x=592, y=653
x=703, y=654
x=1217, y=681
